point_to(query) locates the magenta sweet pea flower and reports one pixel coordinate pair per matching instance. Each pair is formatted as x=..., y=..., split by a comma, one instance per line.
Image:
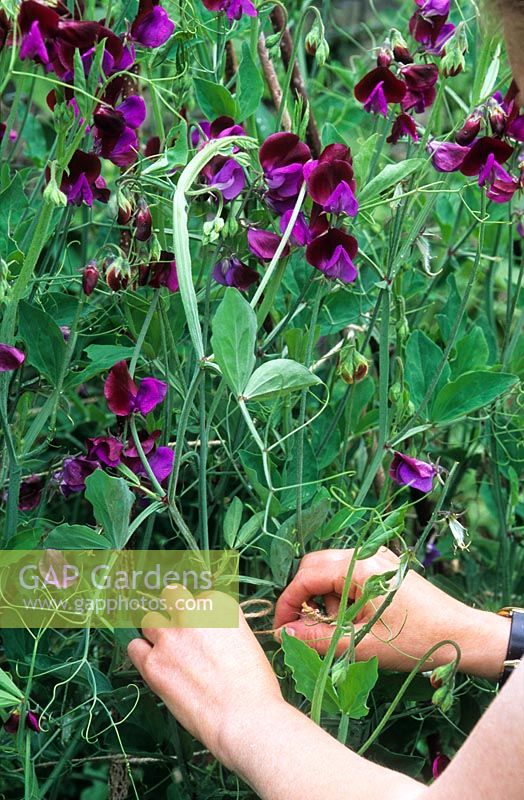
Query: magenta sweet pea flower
x=12, y=723
x=330, y=180
x=429, y=26
x=439, y=764
x=232, y=272
x=333, y=254
x=263, y=244
x=114, y=130
x=151, y=26
x=378, y=88
x=30, y=492
x=226, y=175
x=37, y=22
x=282, y=157
x=160, y=459
x=479, y=152
x=408, y=471
x=105, y=449
x=234, y=9
x=404, y=125
x=501, y=186
x=420, y=82
x=301, y=233
x=163, y=272
x=83, y=183
x=72, y=477
x=447, y=156
x=124, y=397
x=10, y=358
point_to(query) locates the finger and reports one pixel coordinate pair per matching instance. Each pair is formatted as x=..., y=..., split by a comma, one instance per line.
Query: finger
x=153, y=624
x=332, y=602
x=320, y=557
x=308, y=582
x=138, y=651
x=317, y=636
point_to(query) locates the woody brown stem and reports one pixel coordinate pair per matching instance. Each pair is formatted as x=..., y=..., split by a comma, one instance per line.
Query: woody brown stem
x=297, y=81
x=272, y=80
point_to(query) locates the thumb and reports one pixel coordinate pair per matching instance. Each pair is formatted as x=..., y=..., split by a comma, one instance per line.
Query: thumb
x=317, y=635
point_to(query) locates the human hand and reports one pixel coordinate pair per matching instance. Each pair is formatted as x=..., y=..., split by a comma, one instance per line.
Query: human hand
x=211, y=679
x=420, y=616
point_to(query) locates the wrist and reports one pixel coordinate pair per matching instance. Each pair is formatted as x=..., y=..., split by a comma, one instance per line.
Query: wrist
x=244, y=730
x=484, y=644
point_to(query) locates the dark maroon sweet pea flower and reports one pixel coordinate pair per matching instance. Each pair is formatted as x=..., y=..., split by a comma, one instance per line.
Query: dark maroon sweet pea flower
x=282, y=157
x=232, y=272
x=263, y=244
x=301, y=233
x=163, y=272
x=501, y=186
x=5, y=28
x=404, y=125
x=13, y=136
x=378, y=88
x=151, y=26
x=114, y=130
x=10, y=358
x=233, y=9
x=479, y=152
x=143, y=221
x=30, y=492
x=420, y=81
x=333, y=254
x=72, y=477
x=429, y=26
x=83, y=183
x=37, y=22
x=330, y=181
x=12, y=723
x=90, y=275
x=408, y=471
x=439, y=764
x=105, y=449
x=470, y=130
x=124, y=397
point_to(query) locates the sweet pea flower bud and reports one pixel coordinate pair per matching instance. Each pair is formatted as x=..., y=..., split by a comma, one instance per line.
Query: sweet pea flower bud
x=470, y=129
x=143, y=222
x=443, y=675
x=52, y=191
x=453, y=60
x=117, y=274
x=400, y=49
x=316, y=44
x=384, y=57
x=352, y=366
x=497, y=117
x=443, y=698
x=90, y=277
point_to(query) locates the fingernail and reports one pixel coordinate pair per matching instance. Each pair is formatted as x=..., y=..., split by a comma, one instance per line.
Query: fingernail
x=290, y=631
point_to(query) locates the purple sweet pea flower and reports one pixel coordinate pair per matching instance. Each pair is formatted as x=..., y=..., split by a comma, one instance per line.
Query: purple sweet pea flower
x=432, y=553
x=83, y=183
x=378, y=88
x=226, y=175
x=447, y=156
x=332, y=253
x=404, y=125
x=105, y=449
x=282, y=157
x=13, y=136
x=124, y=397
x=72, y=477
x=429, y=26
x=263, y=244
x=160, y=459
x=30, y=492
x=151, y=26
x=501, y=185
x=37, y=22
x=12, y=723
x=114, y=131
x=232, y=272
x=330, y=180
x=408, y=471
x=10, y=358
x=163, y=272
x=301, y=234
x=161, y=462
x=232, y=8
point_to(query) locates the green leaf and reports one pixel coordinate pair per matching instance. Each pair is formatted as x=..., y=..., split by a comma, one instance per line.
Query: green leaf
x=282, y=550
x=331, y=135
x=278, y=377
x=305, y=664
x=76, y=537
x=450, y=311
x=472, y=351
x=43, y=339
x=354, y=686
x=390, y=176
x=106, y=356
x=13, y=203
x=9, y=689
x=215, y=100
x=173, y=157
x=422, y=359
x=112, y=501
x=471, y=391
x=250, y=85
x=234, y=339
x=232, y=520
